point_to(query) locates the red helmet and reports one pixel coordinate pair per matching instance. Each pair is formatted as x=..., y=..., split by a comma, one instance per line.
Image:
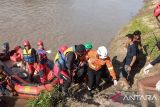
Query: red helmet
x=63, y=48
x=157, y=10
x=40, y=42
x=26, y=43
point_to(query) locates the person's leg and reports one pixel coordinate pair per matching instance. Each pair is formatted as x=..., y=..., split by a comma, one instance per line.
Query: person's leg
x=91, y=80
x=41, y=72
x=66, y=82
x=31, y=70
x=98, y=77
x=80, y=74
x=123, y=77
x=147, y=84
x=56, y=70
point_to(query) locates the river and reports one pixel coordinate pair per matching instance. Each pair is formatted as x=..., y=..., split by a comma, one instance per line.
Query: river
x=68, y=22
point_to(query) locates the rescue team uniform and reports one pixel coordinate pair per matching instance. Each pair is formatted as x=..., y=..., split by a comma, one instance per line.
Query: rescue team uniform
x=42, y=64
x=95, y=68
x=30, y=58
x=65, y=62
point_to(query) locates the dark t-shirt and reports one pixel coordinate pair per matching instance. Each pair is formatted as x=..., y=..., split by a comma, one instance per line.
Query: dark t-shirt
x=131, y=51
x=157, y=60
x=72, y=61
x=137, y=44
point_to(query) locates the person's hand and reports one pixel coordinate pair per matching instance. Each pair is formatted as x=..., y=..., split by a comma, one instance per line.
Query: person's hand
x=81, y=64
x=129, y=68
x=158, y=86
x=115, y=82
x=146, y=69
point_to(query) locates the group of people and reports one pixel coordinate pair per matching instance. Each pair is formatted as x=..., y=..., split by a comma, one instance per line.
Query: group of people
x=80, y=63
x=134, y=48
x=33, y=60
x=146, y=85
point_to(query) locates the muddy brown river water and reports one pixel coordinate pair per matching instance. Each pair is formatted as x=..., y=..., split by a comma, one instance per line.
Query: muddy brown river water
x=64, y=21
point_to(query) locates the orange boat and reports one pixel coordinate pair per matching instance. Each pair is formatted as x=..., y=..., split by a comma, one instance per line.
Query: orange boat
x=19, y=78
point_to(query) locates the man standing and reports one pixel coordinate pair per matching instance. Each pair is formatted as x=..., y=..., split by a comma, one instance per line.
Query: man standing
x=30, y=58
x=42, y=61
x=130, y=58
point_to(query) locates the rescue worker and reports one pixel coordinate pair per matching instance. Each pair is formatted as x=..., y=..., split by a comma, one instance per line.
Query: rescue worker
x=66, y=63
x=42, y=61
x=88, y=46
x=29, y=58
x=150, y=84
x=80, y=74
x=96, y=61
x=5, y=54
x=81, y=71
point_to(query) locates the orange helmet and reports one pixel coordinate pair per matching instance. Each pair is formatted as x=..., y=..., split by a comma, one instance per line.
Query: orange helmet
x=62, y=48
x=26, y=43
x=40, y=42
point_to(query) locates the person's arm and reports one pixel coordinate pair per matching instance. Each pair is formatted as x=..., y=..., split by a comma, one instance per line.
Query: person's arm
x=134, y=54
x=155, y=61
x=111, y=71
x=133, y=61
x=110, y=68
x=35, y=55
x=141, y=46
x=70, y=61
x=150, y=65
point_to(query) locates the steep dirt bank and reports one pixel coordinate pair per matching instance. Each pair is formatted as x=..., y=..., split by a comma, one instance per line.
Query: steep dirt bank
x=117, y=53
x=147, y=24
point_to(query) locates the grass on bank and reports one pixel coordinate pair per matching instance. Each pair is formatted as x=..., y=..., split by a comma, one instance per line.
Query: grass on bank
x=47, y=99
x=147, y=27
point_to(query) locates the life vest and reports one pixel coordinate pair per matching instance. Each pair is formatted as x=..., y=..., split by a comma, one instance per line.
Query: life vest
x=61, y=58
x=42, y=55
x=29, y=56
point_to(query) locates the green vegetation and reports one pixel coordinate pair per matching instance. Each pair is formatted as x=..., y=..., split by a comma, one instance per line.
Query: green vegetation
x=47, y=99
x=146, y=24
x=138, y=24
x=151, y=48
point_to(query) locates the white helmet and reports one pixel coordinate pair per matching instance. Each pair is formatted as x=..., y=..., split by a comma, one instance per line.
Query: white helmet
x=102, y=52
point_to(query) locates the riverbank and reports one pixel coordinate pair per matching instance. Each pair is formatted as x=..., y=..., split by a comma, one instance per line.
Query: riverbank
x=147, y=24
